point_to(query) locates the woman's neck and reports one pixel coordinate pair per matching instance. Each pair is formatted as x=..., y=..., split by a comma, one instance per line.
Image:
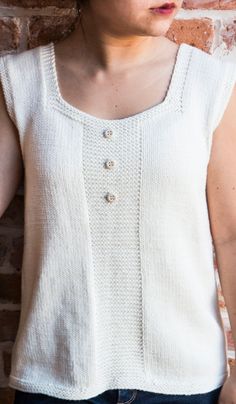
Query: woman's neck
x=108, y=50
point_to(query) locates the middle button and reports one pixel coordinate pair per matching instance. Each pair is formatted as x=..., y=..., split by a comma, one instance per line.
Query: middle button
x=109, y=163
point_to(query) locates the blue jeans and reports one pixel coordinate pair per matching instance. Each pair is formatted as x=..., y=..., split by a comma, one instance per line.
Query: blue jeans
x=123, y=396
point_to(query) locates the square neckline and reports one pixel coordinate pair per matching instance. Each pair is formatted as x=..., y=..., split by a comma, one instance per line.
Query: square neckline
x=47, y=53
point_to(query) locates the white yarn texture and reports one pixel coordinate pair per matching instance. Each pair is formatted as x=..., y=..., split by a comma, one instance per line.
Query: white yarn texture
x=119, y=294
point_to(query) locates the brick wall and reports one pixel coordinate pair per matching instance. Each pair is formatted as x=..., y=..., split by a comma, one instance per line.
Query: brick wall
x=207, y=24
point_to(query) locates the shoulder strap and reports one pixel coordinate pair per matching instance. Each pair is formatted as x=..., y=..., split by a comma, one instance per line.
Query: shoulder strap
x=20, y=76
x=224, y=75
x=225, y=80
x=209, y=87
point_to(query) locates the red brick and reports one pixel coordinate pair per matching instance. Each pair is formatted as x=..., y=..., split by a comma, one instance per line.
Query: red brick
x=9, y=321
x=14, y=214
x=9, y=33
x=231, y=363
x=6, y=355
x=230, y=340
x=7, y=395
x=196, y=32
x=209, y=4
x=4, y=241
x=201, y=4
x=39, y=3
x=227, y=4
x=10, y=288
x=16, y=255
x=228, y=35
x=44, y=29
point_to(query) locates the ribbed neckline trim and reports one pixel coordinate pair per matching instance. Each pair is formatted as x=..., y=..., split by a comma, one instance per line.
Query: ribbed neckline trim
x=172, y=98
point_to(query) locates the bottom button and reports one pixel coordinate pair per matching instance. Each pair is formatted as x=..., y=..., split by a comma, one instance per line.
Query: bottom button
x=110, y=197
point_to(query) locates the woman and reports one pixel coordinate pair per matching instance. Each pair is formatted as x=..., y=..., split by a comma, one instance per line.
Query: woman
x=114, y=126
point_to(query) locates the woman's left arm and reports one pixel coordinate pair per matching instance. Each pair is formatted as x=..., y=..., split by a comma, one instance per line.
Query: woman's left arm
x=221, y=199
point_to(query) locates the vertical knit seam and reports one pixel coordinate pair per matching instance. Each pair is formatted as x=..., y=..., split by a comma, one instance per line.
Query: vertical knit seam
x=189, y=60
x=140, y=244
x=85, y=387
x=92, y=272
x=45, y=92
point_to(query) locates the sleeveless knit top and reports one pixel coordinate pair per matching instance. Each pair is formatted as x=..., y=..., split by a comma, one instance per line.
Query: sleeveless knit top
x=118, y=282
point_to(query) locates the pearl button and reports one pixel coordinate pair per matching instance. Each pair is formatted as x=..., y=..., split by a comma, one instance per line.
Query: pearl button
x=107, y=133
x=110, y=197
x=109, y=164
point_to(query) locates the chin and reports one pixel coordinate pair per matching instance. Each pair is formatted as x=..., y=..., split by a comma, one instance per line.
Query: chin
x=155, y=32
x=159, y=28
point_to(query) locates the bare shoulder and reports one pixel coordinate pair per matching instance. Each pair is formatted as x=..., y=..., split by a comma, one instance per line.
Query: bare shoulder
x=221, y=178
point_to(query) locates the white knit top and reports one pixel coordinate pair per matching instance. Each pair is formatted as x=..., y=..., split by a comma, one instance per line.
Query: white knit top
x=118, y=281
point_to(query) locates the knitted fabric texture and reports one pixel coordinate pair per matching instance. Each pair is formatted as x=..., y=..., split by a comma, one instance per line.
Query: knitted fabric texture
x=118, y=281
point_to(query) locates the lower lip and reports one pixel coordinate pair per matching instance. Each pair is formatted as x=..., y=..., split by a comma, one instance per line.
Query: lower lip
x=165, y=11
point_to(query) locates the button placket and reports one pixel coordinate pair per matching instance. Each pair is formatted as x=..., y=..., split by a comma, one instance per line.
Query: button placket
x=109, y=164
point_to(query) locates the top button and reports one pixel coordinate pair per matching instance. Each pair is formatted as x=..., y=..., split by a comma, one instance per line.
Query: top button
x=110, y=197
x=107, y=133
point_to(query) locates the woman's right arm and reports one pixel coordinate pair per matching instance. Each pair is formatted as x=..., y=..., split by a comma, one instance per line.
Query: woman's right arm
x=11, y=162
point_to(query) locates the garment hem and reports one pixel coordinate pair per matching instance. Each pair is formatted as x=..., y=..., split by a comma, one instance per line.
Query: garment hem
x=73, y=393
